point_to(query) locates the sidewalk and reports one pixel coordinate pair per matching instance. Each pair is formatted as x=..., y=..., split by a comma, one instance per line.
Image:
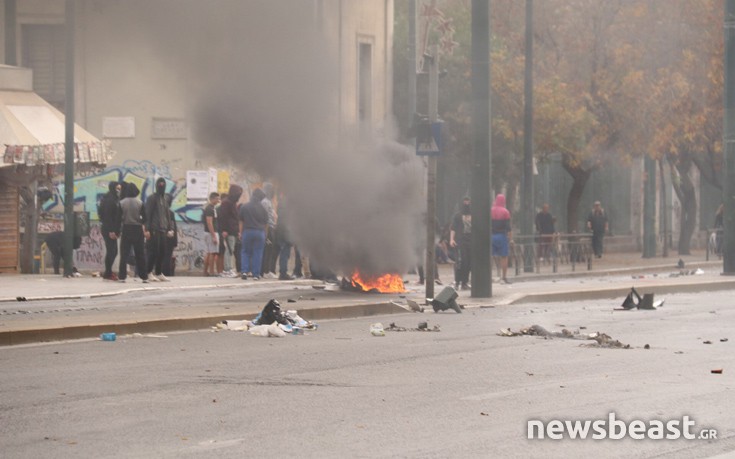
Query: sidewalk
x=35, y=308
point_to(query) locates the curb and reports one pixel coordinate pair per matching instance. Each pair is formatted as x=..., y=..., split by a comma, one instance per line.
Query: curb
x=16, y=337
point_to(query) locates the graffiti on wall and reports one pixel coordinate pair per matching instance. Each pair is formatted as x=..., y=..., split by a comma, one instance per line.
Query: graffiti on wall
x=89, y=190
x=189, y=253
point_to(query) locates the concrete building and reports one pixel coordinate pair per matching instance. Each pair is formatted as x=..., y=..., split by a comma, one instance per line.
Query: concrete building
x=142, y=65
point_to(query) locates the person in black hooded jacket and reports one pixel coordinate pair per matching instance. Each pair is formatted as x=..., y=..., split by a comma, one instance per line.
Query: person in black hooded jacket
x=160, y=227
x=253, y=221
x=110, y=216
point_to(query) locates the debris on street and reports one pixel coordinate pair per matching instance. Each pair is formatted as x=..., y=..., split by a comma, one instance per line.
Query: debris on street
x=717, y=371
x=447, y=299
x=601, y=339
x=633, y=300
x=272, y=317
x=377, y=329
x=422, y=327
x=108, y=336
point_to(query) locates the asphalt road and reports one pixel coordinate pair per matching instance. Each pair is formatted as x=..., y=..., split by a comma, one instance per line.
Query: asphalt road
x=340, y=392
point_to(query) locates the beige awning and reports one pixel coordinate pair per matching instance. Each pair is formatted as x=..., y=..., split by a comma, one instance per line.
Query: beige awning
x=32, y=133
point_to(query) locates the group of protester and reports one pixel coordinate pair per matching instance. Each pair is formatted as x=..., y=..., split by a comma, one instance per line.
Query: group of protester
x=147, y=230
x=247, y=239
x=460, y=237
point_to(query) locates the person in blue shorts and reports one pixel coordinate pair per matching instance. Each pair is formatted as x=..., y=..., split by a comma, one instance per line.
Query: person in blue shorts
x=501, y=236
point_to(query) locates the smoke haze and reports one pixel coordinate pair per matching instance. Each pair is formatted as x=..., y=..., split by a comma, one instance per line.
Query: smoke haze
x=265, y=97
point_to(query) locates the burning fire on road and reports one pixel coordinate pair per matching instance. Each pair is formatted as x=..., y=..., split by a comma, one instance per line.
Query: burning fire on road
x=386, y=283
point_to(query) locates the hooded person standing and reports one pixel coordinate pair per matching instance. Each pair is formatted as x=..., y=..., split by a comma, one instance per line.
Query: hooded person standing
x=501, y=235
x=160, y=226
x=133, y=232
x=253, y=223
x=229, y=226
x=597, y=223
x=110, y=216
x=460, y=236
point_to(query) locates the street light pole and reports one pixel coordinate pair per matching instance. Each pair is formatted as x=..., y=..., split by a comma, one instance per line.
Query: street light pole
x=728, y=188
x=69, y=142
x=481, y=151
x=528, y=208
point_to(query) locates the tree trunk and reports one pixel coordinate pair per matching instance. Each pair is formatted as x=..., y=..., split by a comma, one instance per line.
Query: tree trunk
x=684, y=189
x=580, y=177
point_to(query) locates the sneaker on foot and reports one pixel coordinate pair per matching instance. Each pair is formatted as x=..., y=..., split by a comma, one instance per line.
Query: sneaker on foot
x=145, y=281
x=285, y=277
x=244, y=276
x=162, y=278
x=121, y=280
x=152, y=277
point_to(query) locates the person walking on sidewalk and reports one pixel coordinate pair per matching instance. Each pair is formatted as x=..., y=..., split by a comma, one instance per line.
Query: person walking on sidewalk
x=283, y=239
x=597, y=223
x=460, y=236
x=211, y=235
x=110, y=216
x=133, y=233
x=160, y=227
x=228, y=222
x=545, y=229
x=253, y=221
x=502, y=235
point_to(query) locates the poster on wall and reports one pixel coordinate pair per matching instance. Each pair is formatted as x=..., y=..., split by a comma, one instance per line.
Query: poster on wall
x=223, y=181
x=197, y=187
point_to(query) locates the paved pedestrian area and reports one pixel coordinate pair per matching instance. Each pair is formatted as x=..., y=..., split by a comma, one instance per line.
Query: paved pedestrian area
x=47, y=307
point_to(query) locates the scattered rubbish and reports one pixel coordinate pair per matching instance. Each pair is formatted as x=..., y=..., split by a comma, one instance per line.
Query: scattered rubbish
x=634, y=300
x=148, y=335
x=698, y=272
x=422, y=327
x=267, y=331
x=679, y=352
x=376, y=329
x=272, y=313
x=680, y=264
x=291, y=300
x=723, y=340
x=20, y=298
x=319, y=287
x=717, y=371
x=414, y=306
x=446, y=300
x=484, y=414
x=707, y=342
x=234, y=325
x=647, y=346
x=693, y=272
x=601, y=339
x=108, y=336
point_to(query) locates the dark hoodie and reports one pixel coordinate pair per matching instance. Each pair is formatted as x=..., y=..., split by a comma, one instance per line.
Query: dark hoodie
x=227, y=214
x=156, y=209
x=109, y=211
x=253, y=215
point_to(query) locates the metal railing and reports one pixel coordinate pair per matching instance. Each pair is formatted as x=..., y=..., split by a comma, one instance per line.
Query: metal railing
x=530, y=253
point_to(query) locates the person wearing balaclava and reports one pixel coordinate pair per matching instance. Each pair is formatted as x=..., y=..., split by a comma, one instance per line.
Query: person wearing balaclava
x=460, y=236
x=160, y=227
x=110, y=216
x=133, y=232
x=253, y=222
x=502, y=236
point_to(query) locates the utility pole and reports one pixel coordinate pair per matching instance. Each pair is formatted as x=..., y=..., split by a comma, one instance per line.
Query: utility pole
x=69, y=142
x=728, y=188
x=431, y=172
x=481, y=153
x=412, y=64
x=528, y=208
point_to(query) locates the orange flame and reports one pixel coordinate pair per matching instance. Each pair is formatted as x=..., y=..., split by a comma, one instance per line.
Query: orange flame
x=387, y=283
